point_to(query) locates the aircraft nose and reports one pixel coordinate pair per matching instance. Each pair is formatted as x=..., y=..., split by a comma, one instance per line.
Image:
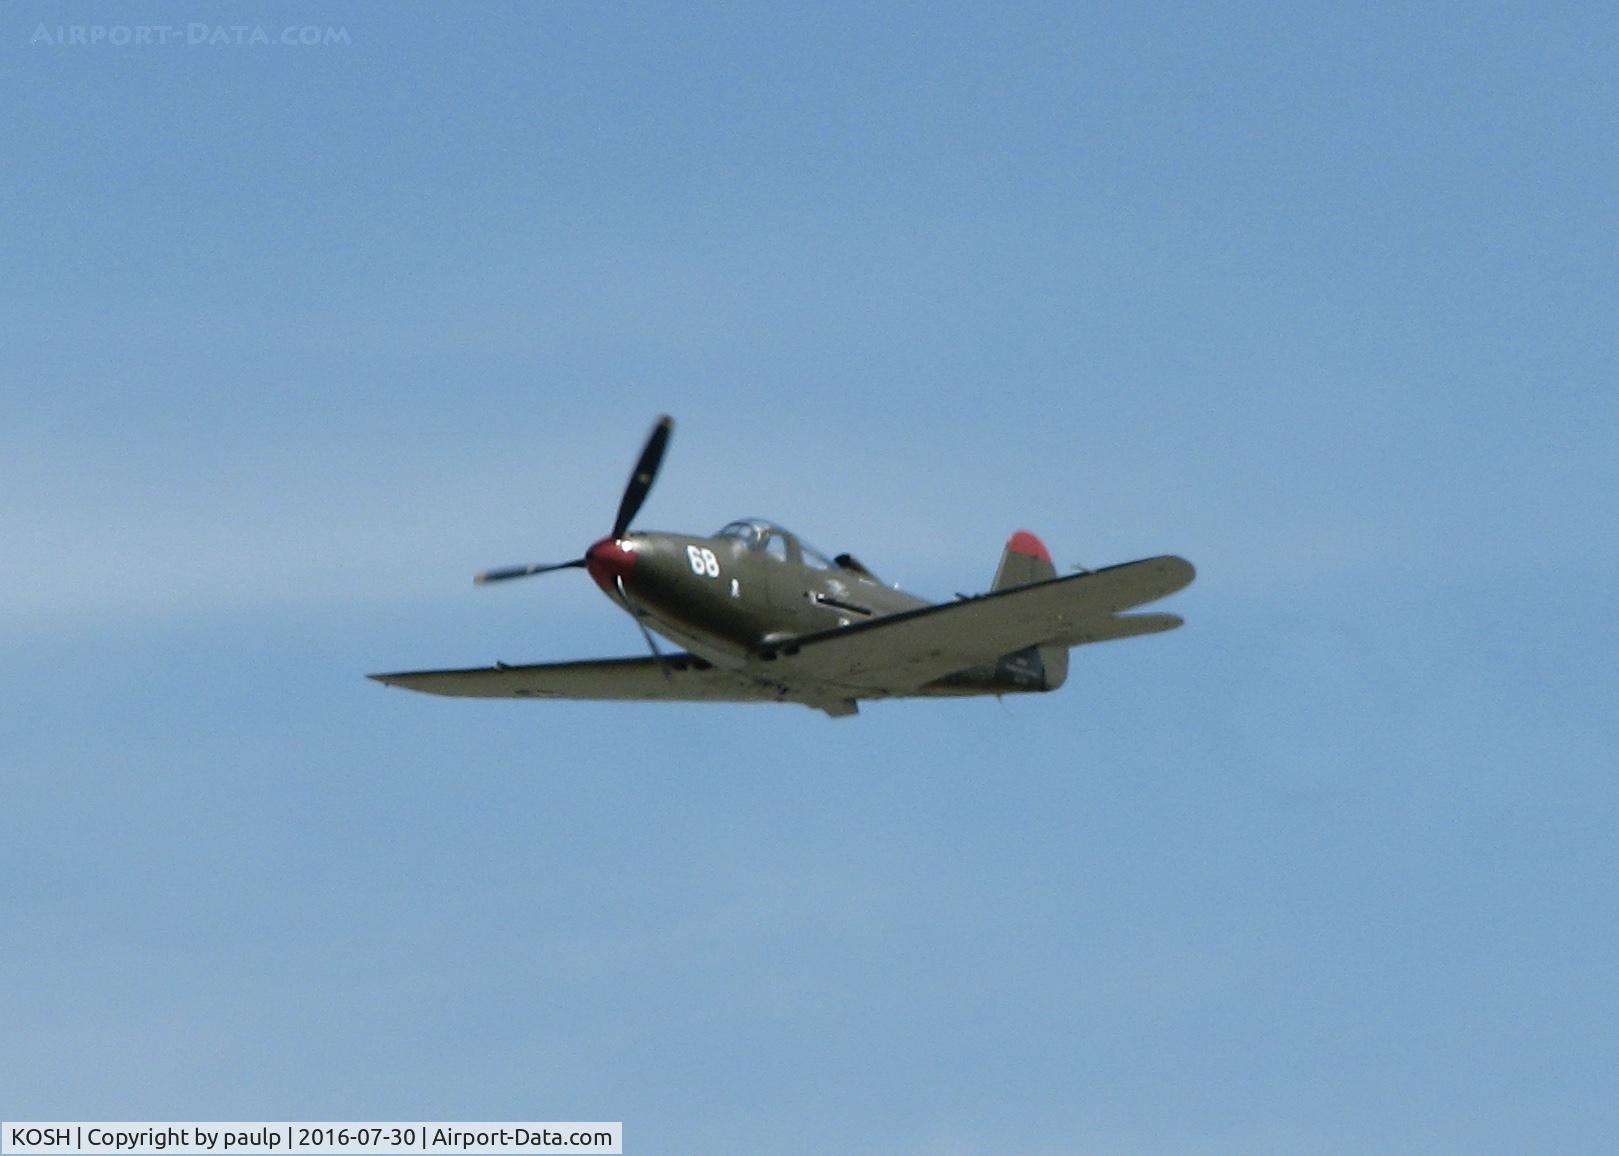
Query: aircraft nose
x=609, y=561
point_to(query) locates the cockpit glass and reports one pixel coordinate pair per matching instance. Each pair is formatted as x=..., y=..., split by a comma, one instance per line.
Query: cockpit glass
x=748, y=533
x=758, y=534
x=813, y=558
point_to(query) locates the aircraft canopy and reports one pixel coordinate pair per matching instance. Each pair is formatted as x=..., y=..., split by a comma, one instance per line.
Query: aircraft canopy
x=768, y=538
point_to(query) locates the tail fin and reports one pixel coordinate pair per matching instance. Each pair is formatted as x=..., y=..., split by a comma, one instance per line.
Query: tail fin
x=1025, y=561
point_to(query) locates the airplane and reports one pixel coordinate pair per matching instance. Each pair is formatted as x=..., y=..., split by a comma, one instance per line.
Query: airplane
x=765, y=617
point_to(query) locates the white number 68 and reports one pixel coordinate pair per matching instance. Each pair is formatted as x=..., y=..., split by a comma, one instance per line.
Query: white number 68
x=703, y=561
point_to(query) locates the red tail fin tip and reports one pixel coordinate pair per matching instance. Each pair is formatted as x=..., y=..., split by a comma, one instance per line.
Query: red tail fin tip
x=1024, y=542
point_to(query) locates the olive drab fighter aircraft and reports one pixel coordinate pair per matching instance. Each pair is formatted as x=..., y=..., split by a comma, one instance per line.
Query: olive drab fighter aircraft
x=763, y=617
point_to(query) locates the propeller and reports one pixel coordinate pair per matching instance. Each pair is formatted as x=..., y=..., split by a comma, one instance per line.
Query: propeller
x=506, y=572
x=635, y=492
x=609, y=559
x=646, y=470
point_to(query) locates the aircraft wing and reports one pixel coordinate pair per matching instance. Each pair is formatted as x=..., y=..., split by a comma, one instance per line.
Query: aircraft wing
x=689, y=679
x=903, y=652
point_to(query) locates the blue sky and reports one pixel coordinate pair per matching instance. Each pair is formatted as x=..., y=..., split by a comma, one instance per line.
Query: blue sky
x=298, y=339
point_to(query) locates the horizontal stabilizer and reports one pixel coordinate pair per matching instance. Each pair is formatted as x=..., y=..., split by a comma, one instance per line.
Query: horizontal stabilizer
x=1119, y=626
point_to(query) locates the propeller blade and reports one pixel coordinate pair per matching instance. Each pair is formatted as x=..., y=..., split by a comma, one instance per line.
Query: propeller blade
x=646, y=469
x=635, y=612
x=506, y=572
